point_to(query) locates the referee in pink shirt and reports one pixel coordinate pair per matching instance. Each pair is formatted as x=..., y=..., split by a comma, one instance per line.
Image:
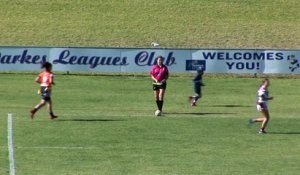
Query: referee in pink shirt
x=159, y=74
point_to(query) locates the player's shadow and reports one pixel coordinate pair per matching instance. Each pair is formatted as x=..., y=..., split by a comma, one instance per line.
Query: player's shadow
x=285, y=133
x=201, y=113
x=89, y=120
x=231, y=106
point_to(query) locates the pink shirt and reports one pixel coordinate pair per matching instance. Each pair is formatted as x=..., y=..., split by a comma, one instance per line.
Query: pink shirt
x=159, y=73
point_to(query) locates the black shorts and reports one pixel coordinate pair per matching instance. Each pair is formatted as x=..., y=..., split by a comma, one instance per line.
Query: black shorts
x=157, y=87
x=45, y=93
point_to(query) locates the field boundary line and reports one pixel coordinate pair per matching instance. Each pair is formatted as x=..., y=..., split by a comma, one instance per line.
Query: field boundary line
x=10, y=144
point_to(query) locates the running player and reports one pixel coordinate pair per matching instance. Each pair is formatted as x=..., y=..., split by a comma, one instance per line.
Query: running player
x=197, y=81
x=159, y=74
x=45, y=79
x=262, y=107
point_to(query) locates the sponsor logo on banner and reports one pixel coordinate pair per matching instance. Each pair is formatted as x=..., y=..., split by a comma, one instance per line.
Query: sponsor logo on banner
x=294, y=63
x=193, y=65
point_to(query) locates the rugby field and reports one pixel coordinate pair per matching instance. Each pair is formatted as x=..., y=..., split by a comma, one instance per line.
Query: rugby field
x=106, y=126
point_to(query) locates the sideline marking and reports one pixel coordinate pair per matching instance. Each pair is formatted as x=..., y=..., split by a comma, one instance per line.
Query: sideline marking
x=10, y=143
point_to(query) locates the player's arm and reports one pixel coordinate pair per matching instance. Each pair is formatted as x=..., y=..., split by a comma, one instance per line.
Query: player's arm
x=52, y=79
x=154, y=79
x=152, y=73
x=37, y=79
x=166, y=77
x=265, y=97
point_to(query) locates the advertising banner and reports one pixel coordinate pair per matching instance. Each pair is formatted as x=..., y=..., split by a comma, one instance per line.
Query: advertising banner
x=141, y=59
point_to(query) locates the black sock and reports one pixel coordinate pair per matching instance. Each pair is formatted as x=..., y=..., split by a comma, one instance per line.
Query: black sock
x=157, y=103
x=161, y=103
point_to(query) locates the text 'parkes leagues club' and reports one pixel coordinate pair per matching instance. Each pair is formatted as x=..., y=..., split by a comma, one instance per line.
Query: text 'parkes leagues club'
x=142, y=58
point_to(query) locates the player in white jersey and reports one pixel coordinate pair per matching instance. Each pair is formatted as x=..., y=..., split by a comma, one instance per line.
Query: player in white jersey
x=262, y=106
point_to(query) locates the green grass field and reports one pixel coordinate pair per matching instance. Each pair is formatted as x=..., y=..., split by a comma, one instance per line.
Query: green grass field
x=136, y=23
x=107, y=126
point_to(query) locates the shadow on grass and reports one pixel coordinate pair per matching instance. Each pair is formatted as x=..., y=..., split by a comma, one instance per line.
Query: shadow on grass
x=200, y=113
x=88, y=120
x=285, y=133
x=230, y=106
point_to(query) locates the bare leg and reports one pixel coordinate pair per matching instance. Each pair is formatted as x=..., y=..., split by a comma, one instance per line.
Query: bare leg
x=41, y=104
x=161, y=94
x=36, y=108
x=265, y=119
x=49, y=106
x=156, y=95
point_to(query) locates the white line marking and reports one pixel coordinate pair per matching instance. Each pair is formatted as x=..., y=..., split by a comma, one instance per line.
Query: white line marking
x=10, y=143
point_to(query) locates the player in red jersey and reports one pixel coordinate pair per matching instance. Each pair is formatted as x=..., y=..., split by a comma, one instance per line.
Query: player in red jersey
x=159, y=74
x=45, y=79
